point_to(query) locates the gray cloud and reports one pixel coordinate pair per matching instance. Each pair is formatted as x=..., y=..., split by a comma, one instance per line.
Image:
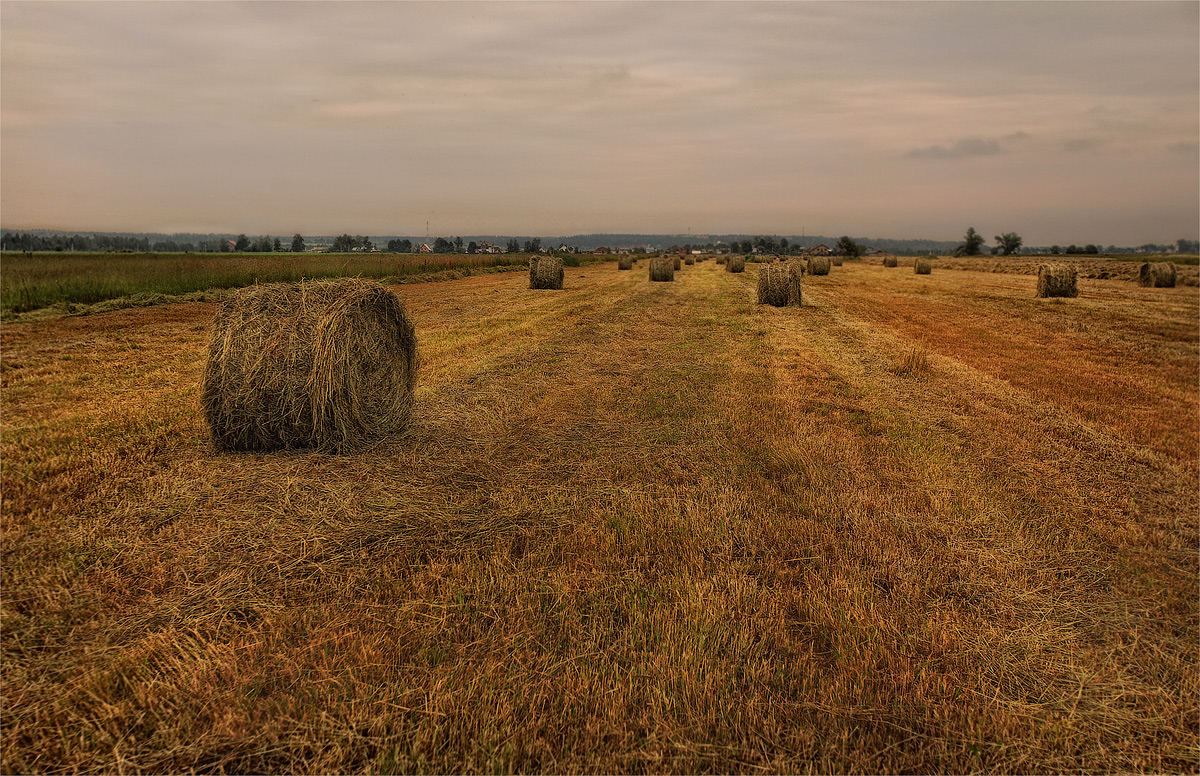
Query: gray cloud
x=957, y=150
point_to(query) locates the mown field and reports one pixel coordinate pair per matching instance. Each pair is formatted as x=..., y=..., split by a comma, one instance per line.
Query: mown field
x=921, y=524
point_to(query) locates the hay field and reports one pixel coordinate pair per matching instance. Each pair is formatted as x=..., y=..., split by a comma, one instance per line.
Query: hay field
x=921, y=524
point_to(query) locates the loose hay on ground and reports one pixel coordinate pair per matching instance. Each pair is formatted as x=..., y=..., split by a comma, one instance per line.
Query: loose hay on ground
x=322, y=364
x=1056, y=280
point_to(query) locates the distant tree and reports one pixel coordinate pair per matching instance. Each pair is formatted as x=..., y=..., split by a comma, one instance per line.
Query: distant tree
x=1055, y=249
x=472, y=247
x=1008, y=243
x=512, y=246
x=848, y=247
x=1186, y=246
x=970, y=245
x=243, y=242
x=404, y=246
x=735, y=247
x=297, y=244
x=783, y=244
x=342, y=244
x=534, y=245
x=458, y=244
x=277, y=246
x=442, y=245
x=1092, y=249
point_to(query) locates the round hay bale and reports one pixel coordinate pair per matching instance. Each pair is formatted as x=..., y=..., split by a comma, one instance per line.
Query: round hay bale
x=721, y=259
x=778, y=285
x=922, y=267
x=1056, y=280
x=689, y=260
x=889, y=261
x=678, y=262
x=322, y=364
x=546, y=272
x=625, y=262
x=735, y=264
x=662, y=269
x=837, y=261
x=1157, y=275
x=818, y=265
x=795, y=274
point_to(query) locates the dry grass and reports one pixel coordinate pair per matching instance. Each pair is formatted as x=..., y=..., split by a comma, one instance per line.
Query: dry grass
x=748, y=542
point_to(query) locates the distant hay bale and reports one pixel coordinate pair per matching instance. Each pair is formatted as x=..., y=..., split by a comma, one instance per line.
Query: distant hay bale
x=922, y=267
x=1157, y=275
x=818, y=265
x=735, y=264
x=837, y=261
x=721, y=258
x=779, y=285
x=889, y=261
x=546, y=272
x=662, y=269
x=678, y=262
x=625, y=262
x=689, y=260
x=321, y=364
x=795, y=275
x=1056, y=280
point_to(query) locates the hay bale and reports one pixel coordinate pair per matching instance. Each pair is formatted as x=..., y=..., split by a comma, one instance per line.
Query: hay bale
x=818, y=265
x=735, y=264
x=662, y=269
x=689, y=260
x=779, y=285
x=321, y=364
x=677, y=262
x=1157, y=275
x=721, y=258
x=837, y=261
x=1056, y=280
x=546, y=272
x=625, y=262
x=889, y=261
x=795, y=275
x=922, y=267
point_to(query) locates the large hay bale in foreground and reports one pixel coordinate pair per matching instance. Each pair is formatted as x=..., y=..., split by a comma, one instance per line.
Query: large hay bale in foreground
x=322, y=364
x=890, y=261
x=625, y=262
x=546, y=272
x=922, y=267
x=1157, y=275
x=818, y=265
x=1057, y=280
x=778, y=285
x=662, y=269
x=735, y=264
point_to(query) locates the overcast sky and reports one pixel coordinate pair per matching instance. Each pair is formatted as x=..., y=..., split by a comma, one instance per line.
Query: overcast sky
x=1071, y=122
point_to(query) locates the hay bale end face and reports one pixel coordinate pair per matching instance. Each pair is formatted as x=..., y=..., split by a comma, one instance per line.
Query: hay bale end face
x=889, y=261
x=1157, y=275
x=922, y=267
x=329, y=365
x=735, y=264
x=778, y=285
x=625, y=262
x=1057, y=280
x=662, y=269
x=546, y=272
x=818, y=265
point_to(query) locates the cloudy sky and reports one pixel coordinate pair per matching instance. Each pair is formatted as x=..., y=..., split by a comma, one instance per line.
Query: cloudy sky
x=1071, y=122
